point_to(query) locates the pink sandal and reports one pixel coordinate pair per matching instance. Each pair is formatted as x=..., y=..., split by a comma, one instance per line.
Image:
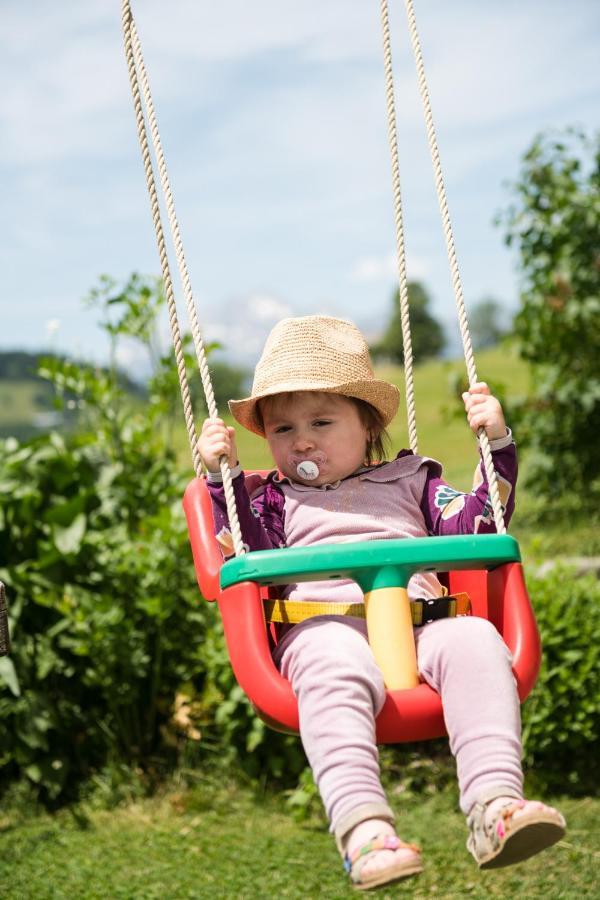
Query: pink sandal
x=499, y=839
x=355, y=861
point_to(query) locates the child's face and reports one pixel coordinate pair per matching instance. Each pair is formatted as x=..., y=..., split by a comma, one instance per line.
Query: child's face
x=320, y=426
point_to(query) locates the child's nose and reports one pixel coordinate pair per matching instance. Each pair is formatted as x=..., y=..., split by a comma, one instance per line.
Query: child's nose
x=303, y=443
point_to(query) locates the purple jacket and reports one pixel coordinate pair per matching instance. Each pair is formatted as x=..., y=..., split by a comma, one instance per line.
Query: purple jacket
x=445, y=510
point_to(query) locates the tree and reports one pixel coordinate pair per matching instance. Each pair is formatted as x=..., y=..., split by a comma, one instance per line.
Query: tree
x=487, y=322
x=427, y=334
x=228, y=382
x=555, y=225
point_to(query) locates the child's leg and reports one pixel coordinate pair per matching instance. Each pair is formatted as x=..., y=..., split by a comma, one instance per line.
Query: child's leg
x=340, y=690
x=467, y=662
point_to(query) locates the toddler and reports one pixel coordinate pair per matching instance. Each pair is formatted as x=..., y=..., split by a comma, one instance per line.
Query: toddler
x=323, y=412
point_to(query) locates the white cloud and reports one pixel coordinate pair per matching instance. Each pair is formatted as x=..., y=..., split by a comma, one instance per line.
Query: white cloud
x=63, y=80
x=371, y=268
x=266, y=308
x=242, y=335
x=133, y=357
x=384, y=268
x=207, y=31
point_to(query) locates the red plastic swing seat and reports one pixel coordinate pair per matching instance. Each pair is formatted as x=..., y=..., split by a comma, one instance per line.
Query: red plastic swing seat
x=498, y=595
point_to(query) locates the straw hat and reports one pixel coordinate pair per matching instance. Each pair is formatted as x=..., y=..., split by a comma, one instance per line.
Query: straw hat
x=315, y=353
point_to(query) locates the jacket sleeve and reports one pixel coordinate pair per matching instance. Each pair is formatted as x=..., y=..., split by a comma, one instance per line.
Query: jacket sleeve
x=448, y=511
x=261, y=517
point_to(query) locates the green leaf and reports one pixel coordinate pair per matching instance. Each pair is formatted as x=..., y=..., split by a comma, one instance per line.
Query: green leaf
x=9, y=676
x=34, y=772
x=68, y=540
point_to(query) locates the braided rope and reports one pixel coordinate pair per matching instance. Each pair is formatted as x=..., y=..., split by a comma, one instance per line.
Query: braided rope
x=456, y=281
x=137, y=75
x=399, y=228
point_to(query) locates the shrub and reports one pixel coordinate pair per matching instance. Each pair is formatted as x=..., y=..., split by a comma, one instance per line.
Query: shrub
x=561, y=719
x=102, y=604
x=116, y=660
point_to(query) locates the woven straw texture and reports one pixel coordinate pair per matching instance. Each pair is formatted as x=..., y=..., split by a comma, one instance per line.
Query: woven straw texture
x=316, y=353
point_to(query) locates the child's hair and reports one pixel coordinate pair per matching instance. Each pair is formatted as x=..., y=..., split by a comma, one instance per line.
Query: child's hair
x=371, y=418
x=379, y=438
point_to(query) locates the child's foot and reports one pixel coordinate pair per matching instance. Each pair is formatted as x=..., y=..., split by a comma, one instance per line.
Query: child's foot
x=375, y=855
x=505, y=830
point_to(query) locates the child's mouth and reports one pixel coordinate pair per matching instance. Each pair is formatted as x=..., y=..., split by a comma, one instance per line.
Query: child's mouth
x=308, y=468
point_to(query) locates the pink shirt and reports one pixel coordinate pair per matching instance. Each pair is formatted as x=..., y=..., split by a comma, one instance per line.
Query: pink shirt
x=376, y=505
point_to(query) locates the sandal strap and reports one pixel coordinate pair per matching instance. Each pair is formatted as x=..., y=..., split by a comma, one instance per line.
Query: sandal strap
x=379, y=842
x=487, y=835
x=503, y=820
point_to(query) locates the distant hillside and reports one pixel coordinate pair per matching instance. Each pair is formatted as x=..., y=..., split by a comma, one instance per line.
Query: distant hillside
x=27, y=401
x=18, y=365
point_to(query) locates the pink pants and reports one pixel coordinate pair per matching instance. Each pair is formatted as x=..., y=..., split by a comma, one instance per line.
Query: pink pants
x=340, y=690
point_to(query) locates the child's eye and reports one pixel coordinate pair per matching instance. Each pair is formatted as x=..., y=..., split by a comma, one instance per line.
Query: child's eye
x=281, y=429
x=320, y=422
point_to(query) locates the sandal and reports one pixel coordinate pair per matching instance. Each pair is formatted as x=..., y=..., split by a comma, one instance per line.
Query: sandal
x=355, y=861
x=502, y=840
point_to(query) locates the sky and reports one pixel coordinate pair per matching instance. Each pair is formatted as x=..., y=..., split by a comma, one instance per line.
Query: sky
x=273, y=122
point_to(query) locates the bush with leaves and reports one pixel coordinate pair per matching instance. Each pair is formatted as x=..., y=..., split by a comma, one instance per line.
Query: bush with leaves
x=561, y=719
x=555, y=225
x=116, y=659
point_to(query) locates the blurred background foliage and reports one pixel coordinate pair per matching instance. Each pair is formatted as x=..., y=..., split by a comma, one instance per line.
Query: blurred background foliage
x=115, y=658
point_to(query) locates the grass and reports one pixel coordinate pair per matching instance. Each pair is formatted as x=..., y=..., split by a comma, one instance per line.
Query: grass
x=223, y=842
x=19, y=400
x=24, y=406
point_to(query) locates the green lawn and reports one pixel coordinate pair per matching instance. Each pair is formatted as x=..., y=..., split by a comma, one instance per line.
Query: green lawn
x=224, y=843
x=18, y=400
x=25, y=408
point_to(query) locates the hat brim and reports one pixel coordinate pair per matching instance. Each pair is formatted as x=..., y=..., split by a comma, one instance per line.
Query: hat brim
x=385, y=397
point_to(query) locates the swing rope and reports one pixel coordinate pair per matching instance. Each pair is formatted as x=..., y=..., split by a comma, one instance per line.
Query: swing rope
x=411, y=415
x=137, y=76
x=450, y=248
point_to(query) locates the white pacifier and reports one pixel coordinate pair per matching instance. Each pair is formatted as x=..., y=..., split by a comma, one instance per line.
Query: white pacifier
x=307, y=469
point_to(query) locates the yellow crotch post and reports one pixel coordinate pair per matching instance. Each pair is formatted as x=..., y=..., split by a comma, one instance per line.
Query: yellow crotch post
x=390, y=629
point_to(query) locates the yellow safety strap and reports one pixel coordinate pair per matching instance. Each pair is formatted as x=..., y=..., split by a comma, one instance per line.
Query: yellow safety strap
x=294, y=611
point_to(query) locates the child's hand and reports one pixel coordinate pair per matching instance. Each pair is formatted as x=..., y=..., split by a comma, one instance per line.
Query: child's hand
x=484, y=411
x=215, y=441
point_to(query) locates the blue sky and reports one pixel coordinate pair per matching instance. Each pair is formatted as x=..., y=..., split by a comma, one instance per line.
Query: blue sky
x=272, y=117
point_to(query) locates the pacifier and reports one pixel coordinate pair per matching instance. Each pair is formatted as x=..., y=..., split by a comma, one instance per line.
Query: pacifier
x=307, y=468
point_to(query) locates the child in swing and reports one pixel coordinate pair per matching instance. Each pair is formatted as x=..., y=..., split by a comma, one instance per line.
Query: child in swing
x=323, y=412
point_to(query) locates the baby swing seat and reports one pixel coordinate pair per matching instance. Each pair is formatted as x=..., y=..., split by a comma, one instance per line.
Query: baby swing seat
x=487, y=567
